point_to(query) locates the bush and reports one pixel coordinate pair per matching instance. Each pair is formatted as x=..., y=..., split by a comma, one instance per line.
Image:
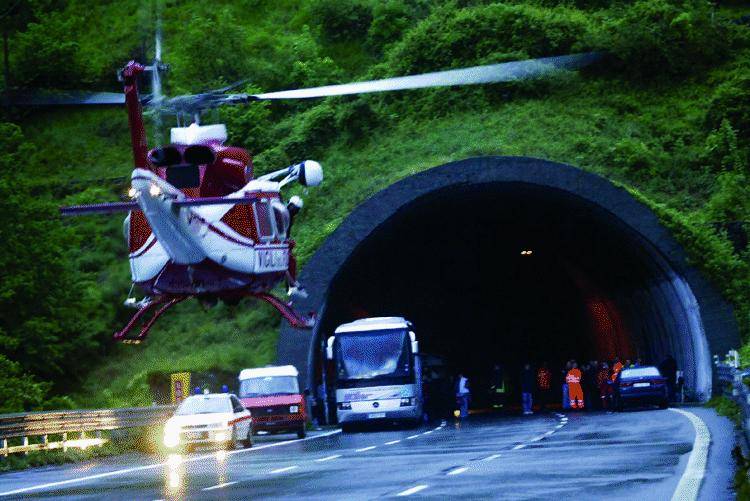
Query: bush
x=45, y=56
x=18, y=390
x=654, y=37
x=452, y=38
x=342, y=20
x=731, y=102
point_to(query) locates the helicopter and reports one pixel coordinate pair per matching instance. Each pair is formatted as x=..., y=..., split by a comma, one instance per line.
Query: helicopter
x=199, y=224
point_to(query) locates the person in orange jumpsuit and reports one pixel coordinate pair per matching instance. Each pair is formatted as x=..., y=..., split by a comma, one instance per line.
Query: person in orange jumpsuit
x=616, y=368
x=575, y=391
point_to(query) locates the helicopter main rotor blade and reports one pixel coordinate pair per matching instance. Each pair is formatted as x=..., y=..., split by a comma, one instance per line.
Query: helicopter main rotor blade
x=65, y=99
x=493, y=73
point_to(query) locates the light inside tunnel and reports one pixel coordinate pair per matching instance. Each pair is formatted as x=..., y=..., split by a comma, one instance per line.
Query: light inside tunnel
x=514, y=272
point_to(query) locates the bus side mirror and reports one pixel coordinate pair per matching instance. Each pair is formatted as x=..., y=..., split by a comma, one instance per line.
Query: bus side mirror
x=414, y=342
x=329, y=348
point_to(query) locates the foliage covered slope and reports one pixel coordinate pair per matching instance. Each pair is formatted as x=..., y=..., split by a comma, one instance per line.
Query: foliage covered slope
x=667, y=115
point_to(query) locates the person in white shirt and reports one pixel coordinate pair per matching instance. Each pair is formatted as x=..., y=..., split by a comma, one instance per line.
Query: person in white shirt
x=463, y=395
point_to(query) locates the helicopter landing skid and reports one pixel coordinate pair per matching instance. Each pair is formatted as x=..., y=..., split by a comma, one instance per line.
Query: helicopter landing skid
x=166, y=302
x=294, y=318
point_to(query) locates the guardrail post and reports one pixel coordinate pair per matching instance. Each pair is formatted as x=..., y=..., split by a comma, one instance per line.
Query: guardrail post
x=44, y=441
x=26, y=444
x=64, y=438
x=99, y=434
x=5, y=447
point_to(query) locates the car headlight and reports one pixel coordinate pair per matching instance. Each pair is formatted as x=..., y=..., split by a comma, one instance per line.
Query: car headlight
x=171, y=436
x=294, y=409
x=345, y=406
x=220, y=437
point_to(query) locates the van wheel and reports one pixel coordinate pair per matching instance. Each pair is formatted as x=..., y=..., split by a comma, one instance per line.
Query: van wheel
x=302, y=432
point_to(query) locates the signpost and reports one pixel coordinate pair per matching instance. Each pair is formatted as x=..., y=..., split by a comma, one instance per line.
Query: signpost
x=180, y=386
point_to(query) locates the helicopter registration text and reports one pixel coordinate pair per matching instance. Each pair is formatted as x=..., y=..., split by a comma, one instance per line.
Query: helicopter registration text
x=272, y=259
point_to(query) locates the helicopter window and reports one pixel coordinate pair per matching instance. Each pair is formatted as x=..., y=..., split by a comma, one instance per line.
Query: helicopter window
x=280, y=218
x=183, y=176
x=263, y=221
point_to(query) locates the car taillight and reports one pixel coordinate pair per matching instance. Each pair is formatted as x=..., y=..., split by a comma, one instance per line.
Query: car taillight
x=345, y=406
x=625, y=384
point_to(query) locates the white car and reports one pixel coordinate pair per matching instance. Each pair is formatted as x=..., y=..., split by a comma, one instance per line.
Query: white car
x=209, y=419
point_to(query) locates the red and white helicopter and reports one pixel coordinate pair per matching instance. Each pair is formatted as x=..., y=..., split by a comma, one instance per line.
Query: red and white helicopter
x=199, y=223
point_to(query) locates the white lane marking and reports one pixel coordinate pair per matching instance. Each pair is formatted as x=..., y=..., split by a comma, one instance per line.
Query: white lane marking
x=427, y=432
x=125, y=471
x=219, y=486
x=519, y=446
x=559, y=426
x=413, y=490
x=327, y=458
x=537, y=439
x=690, y=483
x=490, y=458
x=549, y=433
x=364, y=449
x=282, y=470
x=457, y=471
x=392, y=442
x=411, y=437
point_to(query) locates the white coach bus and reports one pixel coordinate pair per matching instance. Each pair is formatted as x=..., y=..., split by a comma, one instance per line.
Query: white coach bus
x=377, y=369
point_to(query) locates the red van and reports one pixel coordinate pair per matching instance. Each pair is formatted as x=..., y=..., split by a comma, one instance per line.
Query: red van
x=272, y=396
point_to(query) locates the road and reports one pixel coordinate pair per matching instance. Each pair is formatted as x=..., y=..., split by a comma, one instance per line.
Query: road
x=639, y=455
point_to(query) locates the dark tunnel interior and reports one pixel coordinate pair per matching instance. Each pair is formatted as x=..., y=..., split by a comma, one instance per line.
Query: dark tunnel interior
x=455, y=264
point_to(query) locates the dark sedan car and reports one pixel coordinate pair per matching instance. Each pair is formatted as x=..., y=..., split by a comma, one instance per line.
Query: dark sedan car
x=640, y=385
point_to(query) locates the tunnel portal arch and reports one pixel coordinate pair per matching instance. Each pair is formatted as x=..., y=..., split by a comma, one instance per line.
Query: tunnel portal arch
x=611, y=268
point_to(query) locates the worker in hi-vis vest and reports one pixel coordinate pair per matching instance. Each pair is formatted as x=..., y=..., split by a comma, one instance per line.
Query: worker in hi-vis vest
x=575, y=391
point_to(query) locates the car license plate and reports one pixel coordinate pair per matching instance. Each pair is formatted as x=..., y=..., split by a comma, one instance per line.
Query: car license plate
x=197, y=435
x=376, y=415
x=641, y=385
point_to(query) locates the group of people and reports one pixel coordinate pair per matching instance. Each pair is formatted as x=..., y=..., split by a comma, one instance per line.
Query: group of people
x=587, y=386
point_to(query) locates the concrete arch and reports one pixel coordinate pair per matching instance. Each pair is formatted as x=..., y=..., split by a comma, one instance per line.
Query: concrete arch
x=672, y=310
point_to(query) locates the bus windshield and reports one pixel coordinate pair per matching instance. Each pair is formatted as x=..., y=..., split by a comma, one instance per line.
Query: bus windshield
x=268, y=385
x=372, y=354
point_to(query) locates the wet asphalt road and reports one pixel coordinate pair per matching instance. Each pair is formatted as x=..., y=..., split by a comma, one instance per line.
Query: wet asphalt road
x=640, y=454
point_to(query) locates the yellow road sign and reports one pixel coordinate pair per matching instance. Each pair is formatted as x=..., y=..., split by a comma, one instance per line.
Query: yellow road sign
x=180, y=386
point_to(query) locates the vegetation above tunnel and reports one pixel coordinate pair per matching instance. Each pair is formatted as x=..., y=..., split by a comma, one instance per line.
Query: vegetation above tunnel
x=667, y=116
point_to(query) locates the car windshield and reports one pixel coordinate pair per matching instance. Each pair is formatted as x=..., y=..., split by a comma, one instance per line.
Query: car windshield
x=203, y=405
x=372, y=354
x=640, y=372
x=268, y=385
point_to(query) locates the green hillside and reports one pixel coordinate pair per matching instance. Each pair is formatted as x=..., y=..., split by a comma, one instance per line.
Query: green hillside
x=666, y=115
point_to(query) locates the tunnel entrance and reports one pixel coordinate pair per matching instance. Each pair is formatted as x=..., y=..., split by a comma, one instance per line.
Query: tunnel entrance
x=507, y=260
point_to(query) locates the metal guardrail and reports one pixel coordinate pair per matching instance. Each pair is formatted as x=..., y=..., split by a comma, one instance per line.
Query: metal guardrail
x=731, y=383
x=43, y=424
